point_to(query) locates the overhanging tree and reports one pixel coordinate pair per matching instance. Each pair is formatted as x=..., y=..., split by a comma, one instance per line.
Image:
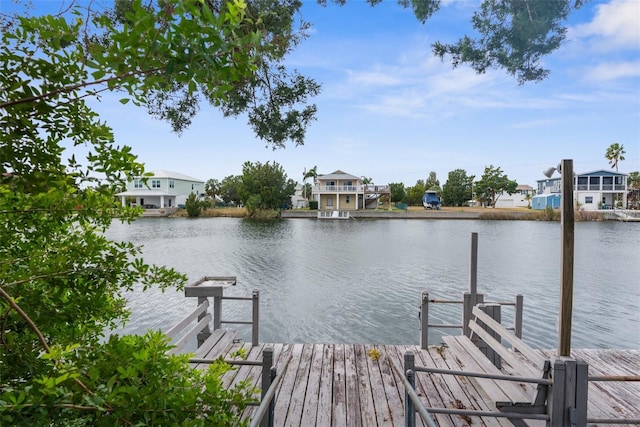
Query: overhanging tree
x=62, y=283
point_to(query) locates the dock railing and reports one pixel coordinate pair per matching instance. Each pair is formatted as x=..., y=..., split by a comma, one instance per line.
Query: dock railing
x=468, y=301
x=413, y=403
x=213, y=287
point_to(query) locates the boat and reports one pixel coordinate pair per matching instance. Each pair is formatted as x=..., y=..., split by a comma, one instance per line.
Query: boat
x=430, y=200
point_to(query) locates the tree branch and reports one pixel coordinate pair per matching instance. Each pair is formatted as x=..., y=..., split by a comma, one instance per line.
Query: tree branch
x=68, y=89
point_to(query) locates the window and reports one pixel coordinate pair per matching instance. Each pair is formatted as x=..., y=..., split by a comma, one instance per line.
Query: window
x=582, y=183
x=172, y=183
x=137, y=183
x=594, y=183
x=330, y=202
x=155, y=183
x=588, y=200
x=347, y=199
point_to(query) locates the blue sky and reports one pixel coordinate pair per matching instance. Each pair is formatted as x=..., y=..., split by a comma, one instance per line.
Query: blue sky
x=391, y=111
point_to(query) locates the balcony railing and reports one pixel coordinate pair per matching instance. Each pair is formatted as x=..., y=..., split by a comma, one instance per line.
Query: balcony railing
x=352, y=188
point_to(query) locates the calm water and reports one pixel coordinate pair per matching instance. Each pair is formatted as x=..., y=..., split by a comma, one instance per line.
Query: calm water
x=359, y=281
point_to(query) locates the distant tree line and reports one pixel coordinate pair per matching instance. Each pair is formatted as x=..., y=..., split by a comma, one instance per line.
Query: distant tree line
x=459, y=189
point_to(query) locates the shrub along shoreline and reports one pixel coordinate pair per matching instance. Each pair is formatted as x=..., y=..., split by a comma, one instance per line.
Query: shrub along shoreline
x=414, y=212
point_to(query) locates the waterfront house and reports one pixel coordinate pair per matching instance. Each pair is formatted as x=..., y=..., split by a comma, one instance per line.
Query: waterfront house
x=163, y=189
x=520, y=199
x=342, y=191
x=601, y=189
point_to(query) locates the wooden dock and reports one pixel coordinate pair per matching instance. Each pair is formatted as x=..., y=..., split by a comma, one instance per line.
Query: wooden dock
x=355, y=385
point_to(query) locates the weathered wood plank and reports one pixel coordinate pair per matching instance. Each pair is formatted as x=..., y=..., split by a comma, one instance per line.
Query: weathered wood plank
x=392, y=386
x=367, y=409
x=474, y=398
x=380, y=403
x=298, y=394
x=352, y=390
x=427, y=386
x=217, y=344
x=310, y=408
x=339, y=395
x=325, y=409
x=287, y=385
x=509, y=336
x=452, y=390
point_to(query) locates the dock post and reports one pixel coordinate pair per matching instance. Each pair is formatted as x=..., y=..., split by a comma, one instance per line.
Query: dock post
x=579, y=418
x=567, y=253
x=217, y=311
x=424, y=321
x=555, y=400
x=473, y=269
x=409, y=371
x=205, y=332
x=518, y=316
x=255, y=321
x=267, y=364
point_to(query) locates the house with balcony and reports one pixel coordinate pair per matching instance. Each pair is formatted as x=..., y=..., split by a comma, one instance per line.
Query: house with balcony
x=161, y=190
x=601, y=189
x=340, y=191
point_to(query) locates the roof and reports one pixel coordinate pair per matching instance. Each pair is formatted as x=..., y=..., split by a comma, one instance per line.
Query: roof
x=524, y=187
x=338, y=175
x=602, y=172
x=174, y=175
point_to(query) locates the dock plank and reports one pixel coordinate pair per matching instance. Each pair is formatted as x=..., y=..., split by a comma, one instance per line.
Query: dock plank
x=341, y=385
x=339, y=397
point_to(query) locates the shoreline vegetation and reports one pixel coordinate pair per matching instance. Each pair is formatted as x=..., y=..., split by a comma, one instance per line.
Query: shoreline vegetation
x=413, y=212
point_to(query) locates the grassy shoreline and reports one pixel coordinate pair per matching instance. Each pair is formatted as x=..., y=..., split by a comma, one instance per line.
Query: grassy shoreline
x=489, y=214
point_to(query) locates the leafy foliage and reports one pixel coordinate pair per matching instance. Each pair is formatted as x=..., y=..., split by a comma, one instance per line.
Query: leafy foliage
x=193, y=206
x=397, y=192
x=265, y=187
x=432, y=183
x=514, y=35
x=414, y=194
x=131, y=382
x=62, y=283
x=457, y=190
x=493, y=183
x=230, y=189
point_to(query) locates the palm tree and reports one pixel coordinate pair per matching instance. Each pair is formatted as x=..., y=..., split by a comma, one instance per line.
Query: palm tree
x=307, y=188
x=614, y=154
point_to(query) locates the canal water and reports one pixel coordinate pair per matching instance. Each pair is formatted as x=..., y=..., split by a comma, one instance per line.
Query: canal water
x=360, y=281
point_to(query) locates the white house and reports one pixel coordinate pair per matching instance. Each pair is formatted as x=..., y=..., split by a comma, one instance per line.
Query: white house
x=520, y=199
x=163, y=189
x=601, y=189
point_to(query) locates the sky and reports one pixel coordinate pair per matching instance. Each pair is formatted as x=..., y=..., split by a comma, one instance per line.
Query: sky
x=391, y=111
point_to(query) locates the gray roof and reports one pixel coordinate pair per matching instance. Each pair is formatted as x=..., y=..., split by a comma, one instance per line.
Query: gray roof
x=338, y=175
x=174, y=175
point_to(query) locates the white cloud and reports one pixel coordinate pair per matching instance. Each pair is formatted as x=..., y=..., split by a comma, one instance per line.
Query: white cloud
x=615, y=25
x=613, y=70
